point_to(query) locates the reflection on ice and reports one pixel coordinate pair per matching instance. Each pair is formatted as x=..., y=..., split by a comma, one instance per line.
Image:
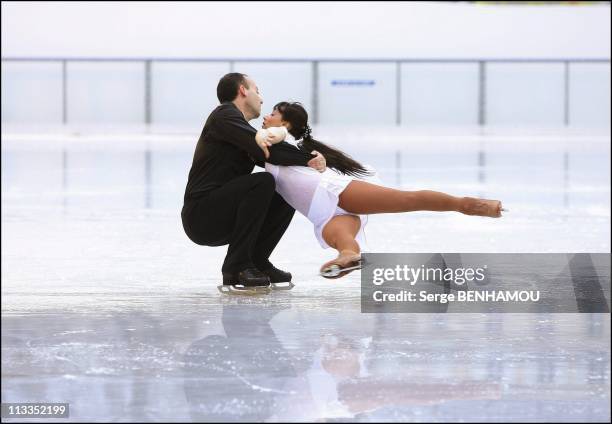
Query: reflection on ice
x=283, y=359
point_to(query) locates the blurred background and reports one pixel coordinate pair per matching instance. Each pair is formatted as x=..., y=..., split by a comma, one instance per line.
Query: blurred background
x=154, y=66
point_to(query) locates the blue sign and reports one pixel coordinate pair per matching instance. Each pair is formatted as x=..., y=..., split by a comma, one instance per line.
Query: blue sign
x=353, y=82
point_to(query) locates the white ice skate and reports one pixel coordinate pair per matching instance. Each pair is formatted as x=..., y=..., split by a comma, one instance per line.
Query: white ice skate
x=339, y=267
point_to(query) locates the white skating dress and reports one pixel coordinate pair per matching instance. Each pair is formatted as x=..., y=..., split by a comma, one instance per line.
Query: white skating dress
x=315, y=194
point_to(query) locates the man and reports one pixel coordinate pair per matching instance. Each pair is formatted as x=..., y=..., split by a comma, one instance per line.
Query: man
x=224, y=202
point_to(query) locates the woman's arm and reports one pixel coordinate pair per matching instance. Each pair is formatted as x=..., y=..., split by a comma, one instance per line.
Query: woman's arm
x=269, y=136
x=284, y=153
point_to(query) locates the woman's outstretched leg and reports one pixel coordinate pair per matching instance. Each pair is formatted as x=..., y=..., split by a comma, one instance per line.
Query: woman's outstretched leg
x=340, y=233
x=361, y=197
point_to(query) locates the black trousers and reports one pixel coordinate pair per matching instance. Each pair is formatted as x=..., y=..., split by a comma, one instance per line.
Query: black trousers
x=246, y=213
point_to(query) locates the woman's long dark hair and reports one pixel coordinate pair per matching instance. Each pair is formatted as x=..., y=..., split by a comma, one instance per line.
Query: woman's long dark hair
x=296, y=115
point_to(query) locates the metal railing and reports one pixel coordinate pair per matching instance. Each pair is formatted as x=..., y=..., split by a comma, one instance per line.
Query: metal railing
x=481, y=62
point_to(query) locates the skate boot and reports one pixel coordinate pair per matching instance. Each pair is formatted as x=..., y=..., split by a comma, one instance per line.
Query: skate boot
x=279, y=280
x=248, y=282
x=347, y=262
x=482, y=207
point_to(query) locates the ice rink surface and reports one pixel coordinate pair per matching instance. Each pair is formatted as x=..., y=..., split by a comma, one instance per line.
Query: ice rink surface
x=108, y=306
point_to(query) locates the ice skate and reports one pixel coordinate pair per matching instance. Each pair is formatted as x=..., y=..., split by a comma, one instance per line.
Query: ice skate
x=249, y=282
x=279, y=279
x=342, y=265
x=482, y=207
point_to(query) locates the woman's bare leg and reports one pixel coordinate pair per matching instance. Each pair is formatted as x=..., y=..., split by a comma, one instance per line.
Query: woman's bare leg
x=361, y=197
x=340, y=233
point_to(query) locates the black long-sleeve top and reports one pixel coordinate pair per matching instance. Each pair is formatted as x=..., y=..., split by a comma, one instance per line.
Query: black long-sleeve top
x=227, y=149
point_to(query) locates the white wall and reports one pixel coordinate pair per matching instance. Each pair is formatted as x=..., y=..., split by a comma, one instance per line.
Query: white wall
x=183, y=94
x=303, y=30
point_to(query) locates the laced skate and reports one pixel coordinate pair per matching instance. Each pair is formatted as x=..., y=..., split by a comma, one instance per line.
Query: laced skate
x=249, y=282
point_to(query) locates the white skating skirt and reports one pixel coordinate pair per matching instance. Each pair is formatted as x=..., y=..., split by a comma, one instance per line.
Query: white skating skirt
x=325, y=206
x=315, y=195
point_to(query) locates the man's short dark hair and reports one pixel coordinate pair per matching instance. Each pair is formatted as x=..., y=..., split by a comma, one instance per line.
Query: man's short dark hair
x=227, y=89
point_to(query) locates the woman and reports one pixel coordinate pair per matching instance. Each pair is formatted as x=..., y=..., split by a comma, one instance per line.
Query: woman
x=338, y=200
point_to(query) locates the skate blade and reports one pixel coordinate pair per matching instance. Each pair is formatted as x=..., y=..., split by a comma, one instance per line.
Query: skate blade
x=335, y=271
x=243, y=291
x=288, y=285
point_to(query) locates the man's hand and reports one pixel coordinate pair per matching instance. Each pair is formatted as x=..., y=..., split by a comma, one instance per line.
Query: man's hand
x=318, y=162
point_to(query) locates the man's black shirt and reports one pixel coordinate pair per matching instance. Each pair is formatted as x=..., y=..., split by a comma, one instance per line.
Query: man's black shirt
x=227, y=149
